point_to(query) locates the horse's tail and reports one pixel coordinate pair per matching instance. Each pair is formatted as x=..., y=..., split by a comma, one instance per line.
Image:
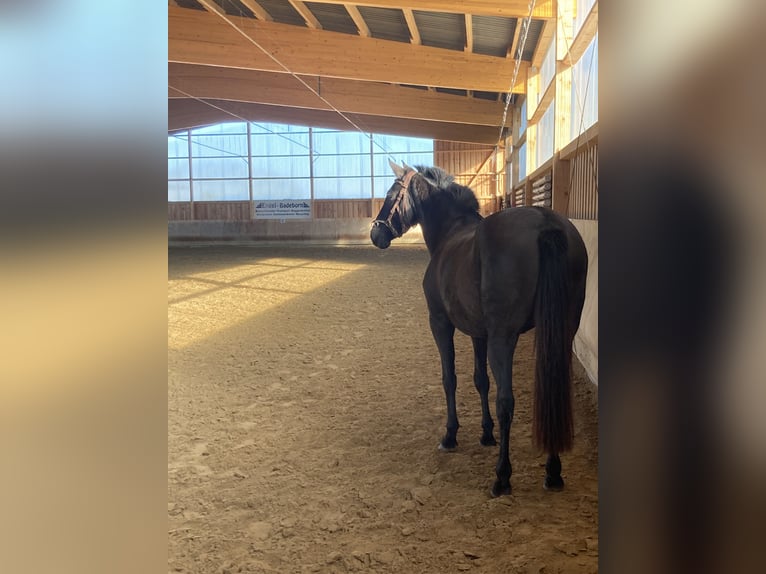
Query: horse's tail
x=553, y=425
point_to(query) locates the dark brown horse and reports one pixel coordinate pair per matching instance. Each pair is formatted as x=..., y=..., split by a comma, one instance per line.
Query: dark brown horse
x=494, y=279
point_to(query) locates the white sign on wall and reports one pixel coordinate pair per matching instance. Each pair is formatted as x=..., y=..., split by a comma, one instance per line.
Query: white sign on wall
x=283, y=209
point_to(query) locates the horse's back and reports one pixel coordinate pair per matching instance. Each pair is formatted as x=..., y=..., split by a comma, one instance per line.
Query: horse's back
x=508, y=246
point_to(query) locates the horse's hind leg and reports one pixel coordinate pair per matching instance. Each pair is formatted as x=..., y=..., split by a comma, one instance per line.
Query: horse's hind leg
x=553, y=480
x=443, y=332
x=501, y=349
x=481, y=381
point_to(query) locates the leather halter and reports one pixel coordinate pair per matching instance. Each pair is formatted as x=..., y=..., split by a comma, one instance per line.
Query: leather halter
x=404, y=184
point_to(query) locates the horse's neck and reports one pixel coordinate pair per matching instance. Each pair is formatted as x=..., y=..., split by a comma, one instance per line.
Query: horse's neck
x=444, y=223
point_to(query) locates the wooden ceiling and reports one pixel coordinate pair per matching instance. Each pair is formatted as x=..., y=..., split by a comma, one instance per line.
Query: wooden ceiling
x=425, y=68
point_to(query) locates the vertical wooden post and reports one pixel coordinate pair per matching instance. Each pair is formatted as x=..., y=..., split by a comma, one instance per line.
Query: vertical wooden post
x=528, y=191
x=311, y=173
x=250, y=172
x=561, y=185
x=372, y=177
x=191, y=176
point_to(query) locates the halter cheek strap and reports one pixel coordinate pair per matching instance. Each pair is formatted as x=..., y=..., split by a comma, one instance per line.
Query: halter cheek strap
x=404, y=184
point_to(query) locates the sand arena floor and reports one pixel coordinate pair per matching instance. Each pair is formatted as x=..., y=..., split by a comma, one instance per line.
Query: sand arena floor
x=304, y=410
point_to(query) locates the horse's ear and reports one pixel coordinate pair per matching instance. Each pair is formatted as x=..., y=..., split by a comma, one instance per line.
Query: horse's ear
x=398, y=171
x=406, y=167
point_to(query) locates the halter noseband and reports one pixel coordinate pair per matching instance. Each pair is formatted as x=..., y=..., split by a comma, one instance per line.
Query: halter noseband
x=404, y=184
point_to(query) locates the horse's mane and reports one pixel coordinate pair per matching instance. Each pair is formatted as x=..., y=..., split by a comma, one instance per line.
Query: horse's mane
x=444, y=182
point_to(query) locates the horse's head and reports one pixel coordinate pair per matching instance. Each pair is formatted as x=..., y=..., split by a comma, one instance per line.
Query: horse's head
x=398, y=213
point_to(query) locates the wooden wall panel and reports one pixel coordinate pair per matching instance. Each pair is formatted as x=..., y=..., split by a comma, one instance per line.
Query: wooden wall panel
x=583, y=195
x=476, y=166
x=179, y=211
x=342, y=208
x=222, y=210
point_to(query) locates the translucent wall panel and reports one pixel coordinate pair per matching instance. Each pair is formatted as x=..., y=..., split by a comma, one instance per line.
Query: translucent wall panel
x=221, y=190
x=547, y=68
x=583, y=7
x=522, y=161
x=281, y=166
x=545, y=136
x=178, y=168
x=219, y=167
x=331, y=142
x=281, y=189
x=585, y=90
x=178, y=191
x=342, y=188
x=279, y=162
x=178, y=145
x=342, y=165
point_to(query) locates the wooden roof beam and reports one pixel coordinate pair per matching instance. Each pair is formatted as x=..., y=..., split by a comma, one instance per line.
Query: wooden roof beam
x=188, y=114
x=468, y=33
x=196, y=37
x=306, y=14
x=543, y=43
x=506, y=8
x=256, y=9
x=513, y=46
x=356, y=16
x=349, y=96
x=583, y=38
x=412, y=25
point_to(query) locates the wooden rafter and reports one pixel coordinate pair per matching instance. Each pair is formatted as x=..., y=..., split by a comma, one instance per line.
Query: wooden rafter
x=350, y=96
x=356, y=16
x=412, y=25
x=468, y=33
x=257, y=9
x=196, y=37
x=481, y=167
x=516, y=35
x=306, y=14
x=543, y=43
x=188, y=113
x=584, y=37
x=506, y=8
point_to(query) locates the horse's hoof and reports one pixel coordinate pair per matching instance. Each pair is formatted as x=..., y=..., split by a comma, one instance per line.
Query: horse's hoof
x=447, y=448
x=499, y=490
x=555, y=484
x=488, y=440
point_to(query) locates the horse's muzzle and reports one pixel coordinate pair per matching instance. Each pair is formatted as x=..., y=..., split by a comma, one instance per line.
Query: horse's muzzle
x=380, y=235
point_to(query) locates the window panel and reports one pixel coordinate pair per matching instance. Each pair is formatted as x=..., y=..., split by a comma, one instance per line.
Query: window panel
x=545, y=136
x=383, y=184
x=585, y=90
x=523, y=122
x=288, y=166
x=583, y=8
x=221, y=190
x=523, y=161
x=547, y=69
x=342, y=188
x=178, y=146
x=280, y=162
x=178, y=191
x=281, y=189
x=220, y=167
x=178, y=168
x=395, y=145
x=341, y=142
x=267, y=144
x=215, y=145
x=342, y=165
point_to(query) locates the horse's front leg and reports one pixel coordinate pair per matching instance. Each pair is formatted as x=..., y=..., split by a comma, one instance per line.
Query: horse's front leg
x=481, y=381
x=443, y=331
